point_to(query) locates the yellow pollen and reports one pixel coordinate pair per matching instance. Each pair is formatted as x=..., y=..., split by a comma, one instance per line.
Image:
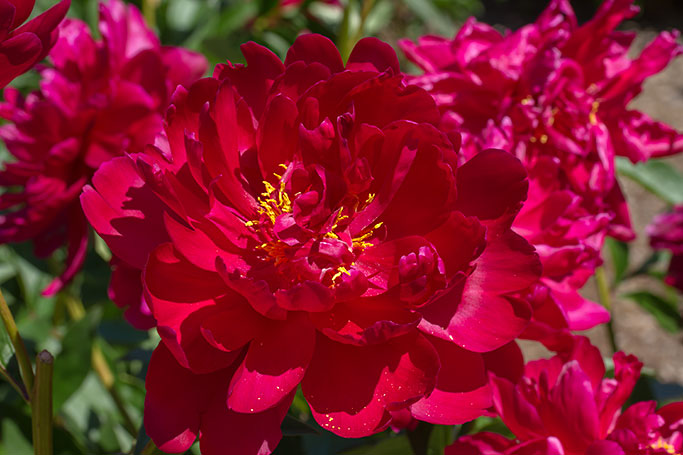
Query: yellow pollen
x=592, y=117
x=528, y=100
x=544, y=139
x=276, y=250
x=662, y=444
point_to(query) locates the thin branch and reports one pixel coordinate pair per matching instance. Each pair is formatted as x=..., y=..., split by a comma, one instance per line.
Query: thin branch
x=25, y=367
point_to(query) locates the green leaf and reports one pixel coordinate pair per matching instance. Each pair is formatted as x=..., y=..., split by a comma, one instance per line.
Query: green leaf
x=72, y=364
x=294, y=427
x=656, y=176
x=441, y=437
x=665, y=311
x=431, y=16
x=398, y=445
x=619, y=253
x=14, y=441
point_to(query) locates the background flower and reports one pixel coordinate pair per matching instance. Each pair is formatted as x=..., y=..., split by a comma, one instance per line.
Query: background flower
x=98, y=100
x=22, y=46
x=555, y=94
x=666, y=232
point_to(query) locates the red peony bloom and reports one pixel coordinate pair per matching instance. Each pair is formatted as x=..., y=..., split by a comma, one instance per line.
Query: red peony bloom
x=22, y=46
x=666, y=232
x=555, y=94
x=564, y=406
x=100, y=99
x=306, y=223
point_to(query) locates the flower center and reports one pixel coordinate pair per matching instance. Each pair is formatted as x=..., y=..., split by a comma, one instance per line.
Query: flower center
x=297, y=236
x=661, y=444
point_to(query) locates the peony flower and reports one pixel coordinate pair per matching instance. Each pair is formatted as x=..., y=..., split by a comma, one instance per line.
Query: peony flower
x=666, y=232
x=306, y=223
x=564, y=406
x=100, y=99
x=555, y=94
x=22, y=46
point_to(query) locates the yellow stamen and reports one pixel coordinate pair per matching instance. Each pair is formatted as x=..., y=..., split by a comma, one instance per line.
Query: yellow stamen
x=593, y=115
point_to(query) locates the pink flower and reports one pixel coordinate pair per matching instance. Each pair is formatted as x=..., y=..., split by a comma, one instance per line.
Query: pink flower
x=565, y=406
x=555, y=94
x=666, y=232
x=306, y=223
x=22, y=46
x=100, y=99
x=640, y=430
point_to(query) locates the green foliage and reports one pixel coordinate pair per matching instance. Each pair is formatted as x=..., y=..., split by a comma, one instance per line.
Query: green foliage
x=656, y=176
x=665, y=310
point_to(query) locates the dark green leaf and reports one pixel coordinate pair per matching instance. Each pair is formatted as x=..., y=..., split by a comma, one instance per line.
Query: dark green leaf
x=665, y=311
x=431, y=16
x=619, y=254
x=440, y=438
x=294, y=427
x=398, y=445
x=656, y=176
x=72, y=364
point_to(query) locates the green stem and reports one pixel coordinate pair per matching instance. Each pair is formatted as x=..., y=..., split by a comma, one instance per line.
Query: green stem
x=149, y=8
x=345, y=32
x=41, y=405
x=606, y=301
x=20, y=352
x=364, y=12
x=347, y=40
x=151, y=449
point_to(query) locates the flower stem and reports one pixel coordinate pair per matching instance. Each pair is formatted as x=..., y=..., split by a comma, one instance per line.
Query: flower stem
x=606, y=300
x=348, y=39
x=41, y=405
x=151, y=449
x=20, y=352
x=99, y=363
x=149, y=8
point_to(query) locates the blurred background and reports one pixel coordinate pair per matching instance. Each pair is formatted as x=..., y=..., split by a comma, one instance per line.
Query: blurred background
x=99, y=375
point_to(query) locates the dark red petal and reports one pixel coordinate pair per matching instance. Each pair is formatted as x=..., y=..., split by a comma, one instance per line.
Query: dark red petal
x=233, y=327
x=125, y=289
x=351, y=389
x=506, y=362
x=491, y=184
x=274, y=365
x=461, y=393
x=223, y=429
x=459, y=241
x=571, y=414
x=315, y=48
x=365, y=321
x=17, y=55
x=277, y=136
x=181, y=296
x=124, y=211
x=23, y=10
x=175, y=400
x=372, y=54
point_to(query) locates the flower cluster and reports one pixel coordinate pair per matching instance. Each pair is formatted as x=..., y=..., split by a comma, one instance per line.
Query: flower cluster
x=564, y=406
x=666, y=232
x=22, y=46
x=307, y=223
x=555, y=94
x=98, y=100
x=373, y=239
